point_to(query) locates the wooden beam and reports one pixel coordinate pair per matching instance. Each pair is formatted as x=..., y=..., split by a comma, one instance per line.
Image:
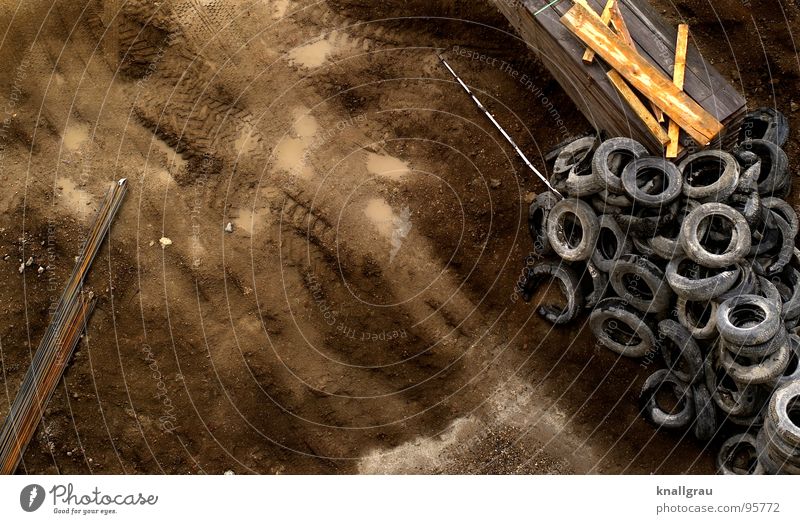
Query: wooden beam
x=678, y=76
x=690, y=116
x=619, y=25
x=638, y=107
x=588, y=56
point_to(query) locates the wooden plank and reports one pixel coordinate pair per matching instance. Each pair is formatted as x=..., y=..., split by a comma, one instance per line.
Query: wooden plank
x=677, y=78
x=676, y=104
x=638, y=107
x=703, y=82
x=618, y=23
x=588, y=56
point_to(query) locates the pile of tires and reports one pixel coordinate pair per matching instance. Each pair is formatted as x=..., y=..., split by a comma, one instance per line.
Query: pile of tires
x=690, y=263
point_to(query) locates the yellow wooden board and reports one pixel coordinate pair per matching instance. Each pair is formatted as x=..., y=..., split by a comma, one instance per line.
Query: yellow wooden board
x=619, y=25
x=638, y=107
x=689, y=115
x=678, y=76
x=588, y=56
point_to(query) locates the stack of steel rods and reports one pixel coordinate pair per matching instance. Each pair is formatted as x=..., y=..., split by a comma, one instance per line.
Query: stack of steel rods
x=60, y=339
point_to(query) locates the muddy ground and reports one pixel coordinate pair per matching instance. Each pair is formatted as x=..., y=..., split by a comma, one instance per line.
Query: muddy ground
x=360, y=315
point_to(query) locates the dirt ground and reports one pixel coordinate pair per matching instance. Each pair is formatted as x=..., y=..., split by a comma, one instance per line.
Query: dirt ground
x=359, y=316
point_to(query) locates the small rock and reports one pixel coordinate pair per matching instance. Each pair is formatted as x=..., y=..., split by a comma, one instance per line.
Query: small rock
x=21, y=268
x=40, y=270
x=75, y=395
x=229, y=472
x=29, y=262
x=6, y=256
x=794, y=106
x=152, y=243
x=495, y=183
x=164, y=241
x=229, y=228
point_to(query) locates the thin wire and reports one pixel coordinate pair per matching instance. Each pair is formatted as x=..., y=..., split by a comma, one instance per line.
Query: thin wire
x=500, y=128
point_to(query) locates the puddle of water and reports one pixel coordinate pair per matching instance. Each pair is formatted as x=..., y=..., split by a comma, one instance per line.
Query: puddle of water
x=289, y=156
x=387, y=166
x=312, y=55
x=74, y=198
x=380, y=213
x=248, y=220
x=305, y=125
x=281, y=6
x=174, y=159
x=75, y=136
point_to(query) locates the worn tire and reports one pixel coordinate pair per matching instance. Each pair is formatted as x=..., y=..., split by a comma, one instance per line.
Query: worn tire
x=696, y=170
x=680, y=351
x=612, y=243
x=538, y=213
x=705, y=287
x=611, y=158
x=727, y=454
x=705, y=413
x=653, y=297
x=762, y=372
x=569, y=283
x=665, y=181
x=652, y=411
x=783, y=408
x=738, y=402
x=621, y=328
x=564, y=243
x=738, y=247
x=699, y=329
x=748, y=320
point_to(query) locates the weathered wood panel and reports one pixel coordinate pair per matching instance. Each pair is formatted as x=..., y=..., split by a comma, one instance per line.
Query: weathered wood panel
x=588, y=85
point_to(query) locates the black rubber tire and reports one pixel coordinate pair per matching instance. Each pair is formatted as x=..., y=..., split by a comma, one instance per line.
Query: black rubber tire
x=655, y=295
x=749, y=205
x=784, y=400
x=739, y=245
x=703, y=288
x=765, y=123
x=680, y=351
x=647, y=222
x=610, y=160
x=792, y=371
x=790, y=278
x=705, y=410
x=568, y=282
x=762, y=372
x=574, y=154
x=746, y=284
x=738, y=402
x=614, y=200
x=612, y=243
x=653, y=413
x=582, y=182
x=666, y=182
x=599, y=286
x=538, y=212
x=617, y=313
x=759, y=351
x=774, y=176
x=573, y=250
x=694, y=169
x=729, y=450
x=736, y=317
x=699, y=330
